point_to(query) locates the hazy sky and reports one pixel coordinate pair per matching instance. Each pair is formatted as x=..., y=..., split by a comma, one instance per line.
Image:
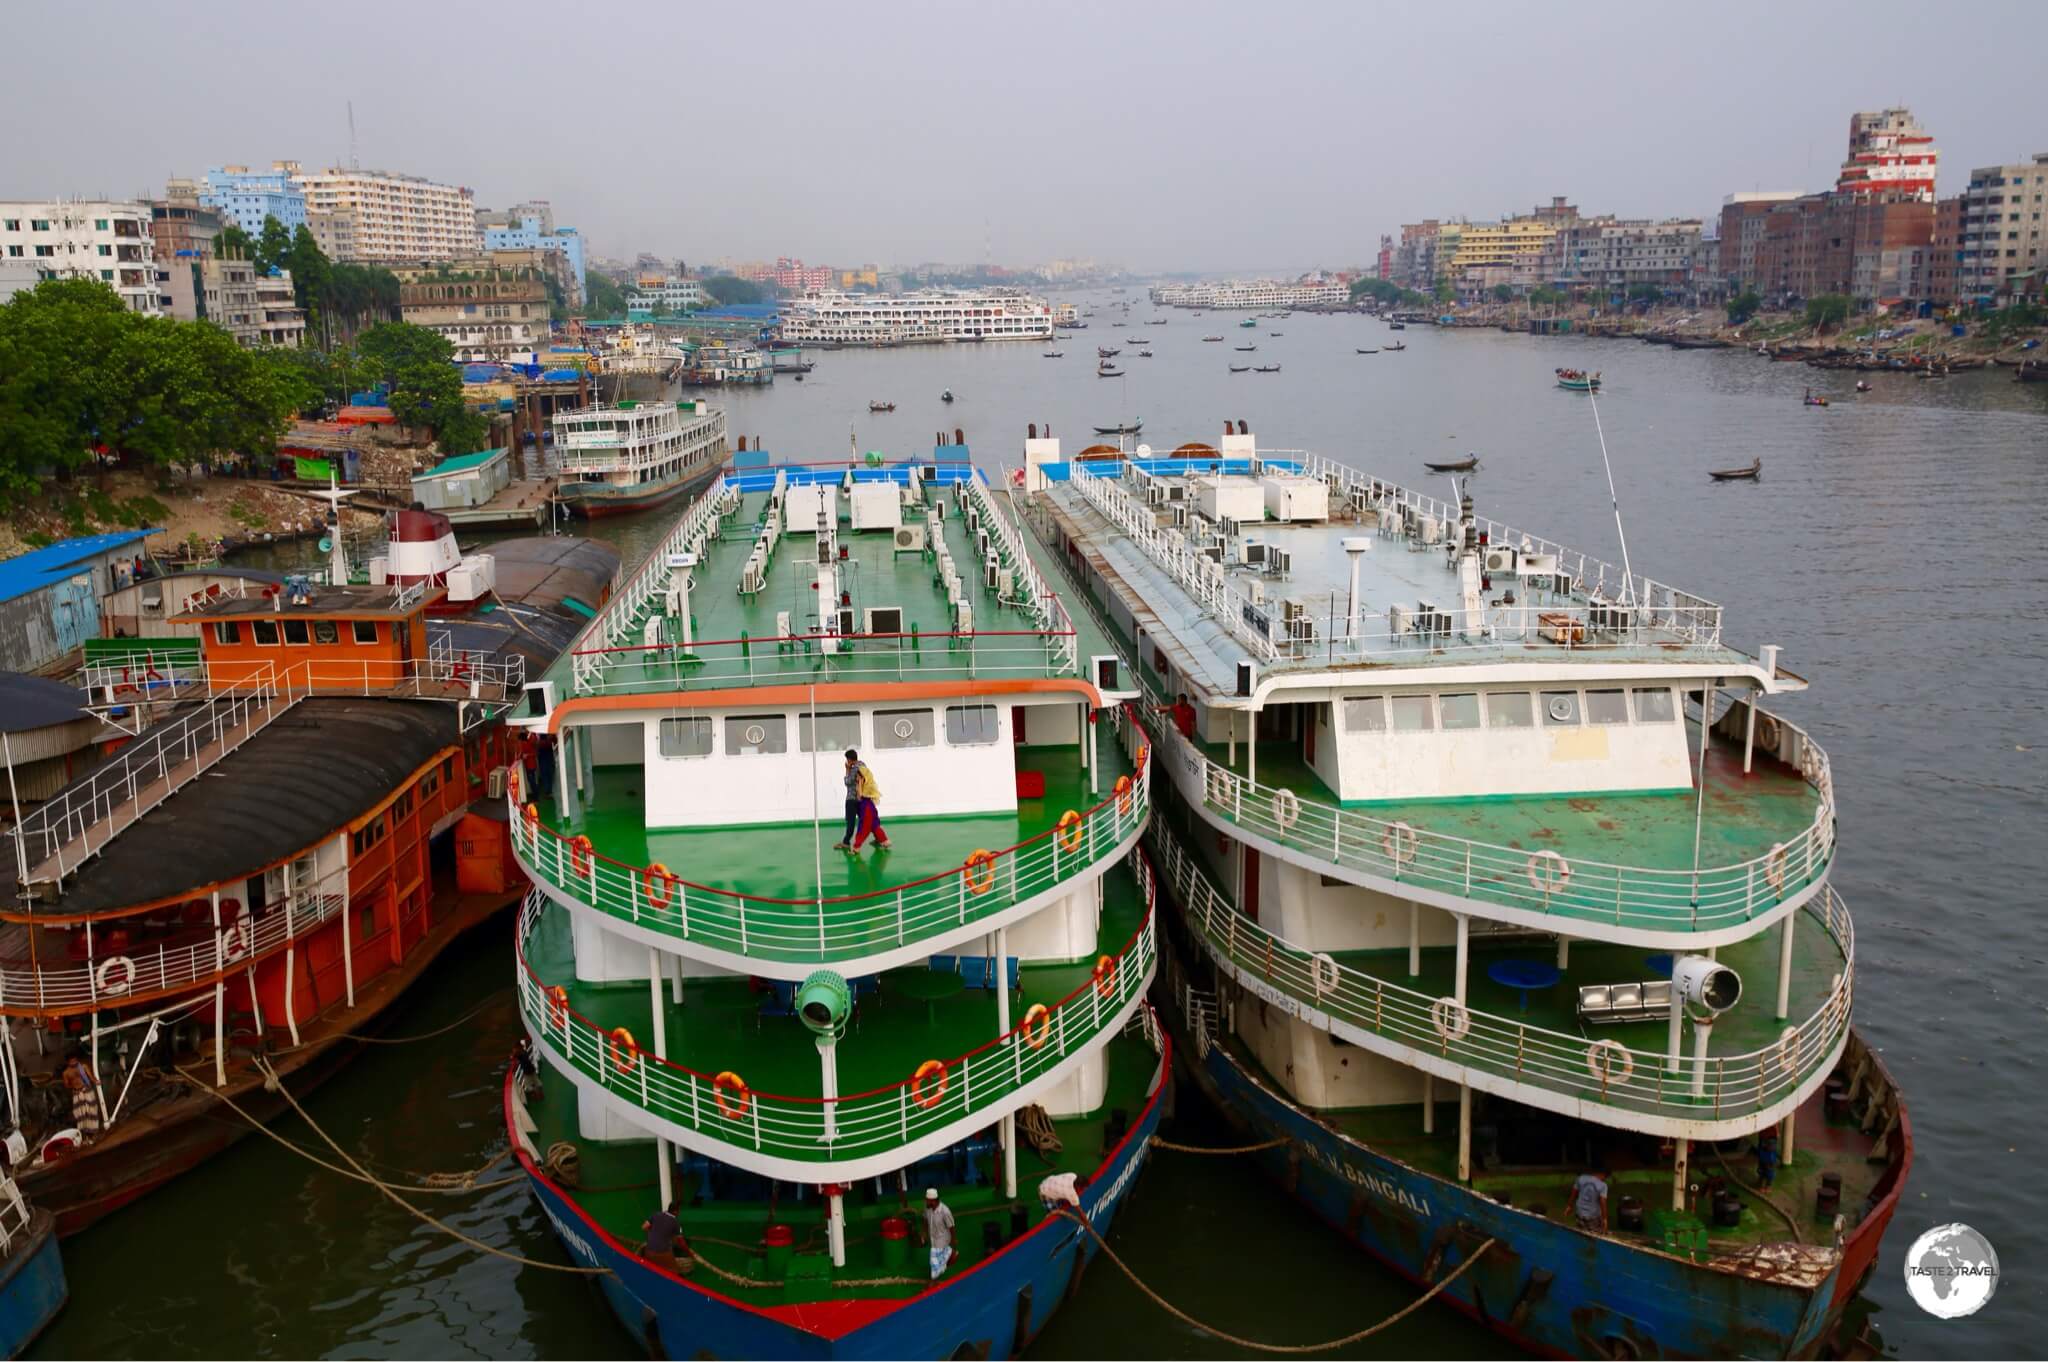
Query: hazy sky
x=1235, y=136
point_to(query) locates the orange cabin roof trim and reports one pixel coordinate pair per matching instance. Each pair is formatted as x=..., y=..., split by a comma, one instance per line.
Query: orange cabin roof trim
x=326, y=602
x=838, y=692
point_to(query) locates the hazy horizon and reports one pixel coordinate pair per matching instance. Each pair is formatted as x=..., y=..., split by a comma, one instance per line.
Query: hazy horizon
x=1188, y=137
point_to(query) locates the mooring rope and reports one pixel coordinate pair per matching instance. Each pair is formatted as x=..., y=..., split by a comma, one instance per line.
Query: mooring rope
x=1161, y=1142
x=1253, y=1344
x=1791, y=1220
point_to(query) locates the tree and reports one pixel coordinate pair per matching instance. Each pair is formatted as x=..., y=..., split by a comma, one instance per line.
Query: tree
x=426, y=388
x=1829, y=309
x=235, y=244
x=724, y=288
x=1444, y=292
x=558, y=304
x=273, y=243
x=1743, y=306
x=1645, y=293
x=604, y=297
x=1502, y=293
x=1545, y=296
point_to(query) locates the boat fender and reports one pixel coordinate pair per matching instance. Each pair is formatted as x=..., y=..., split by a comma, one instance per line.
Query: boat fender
x=926, y=1070
x=742, y=1096
x=103, y=977
x=1105, y=975
x=1399, y=842
x=1785, y=1054
x=1037, y=1025
x=1451, y=1018
x=558, y=1006
x=1327, y=975
x=623, y=1053
x=580, y=858
x=1070, y=832
x=1610, y=1062
x=980, y=870
x=1548, y=872
x=1774, y=866
x=1122, y=790
x=661, y=886
x=1286, y=809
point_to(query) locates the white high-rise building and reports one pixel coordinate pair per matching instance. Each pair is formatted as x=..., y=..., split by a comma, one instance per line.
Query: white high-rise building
x=398, y=218
x=85, y=239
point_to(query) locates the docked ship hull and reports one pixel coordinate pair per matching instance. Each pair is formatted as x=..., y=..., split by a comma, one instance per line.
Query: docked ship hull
x=32, y=1285
x=990, y=1310
x=594, y=499
x=1548, y=1288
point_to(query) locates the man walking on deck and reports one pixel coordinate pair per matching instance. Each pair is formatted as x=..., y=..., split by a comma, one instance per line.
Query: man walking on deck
x=938, y=1232
x=852, y=776
x=866, y=790
x=1588, y=1199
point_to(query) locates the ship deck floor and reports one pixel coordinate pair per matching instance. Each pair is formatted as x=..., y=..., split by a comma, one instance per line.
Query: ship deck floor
x=723, y=1216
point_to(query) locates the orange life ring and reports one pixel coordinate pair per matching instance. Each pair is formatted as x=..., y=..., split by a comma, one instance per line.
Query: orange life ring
x=1070, y=833
x=1105, y=975
x=1123, y=795
x=1774, y=866
x=558, y=1006
x=1144, y=755
x=980, y=870
x=532, y=815
x=624, y=1054
x=742, y=1096
x=1399, y=842
x=657, y=874
x=1042, y=1014
x=580, y=851
x=917, y=1092
x=515, y=782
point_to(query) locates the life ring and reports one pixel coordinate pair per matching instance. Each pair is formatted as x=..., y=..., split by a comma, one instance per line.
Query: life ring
x=1042, y=1015
x=580, y=851
x=515, y=782
x=532, y=815
x=1766, y=731
x=233, y=941
x=917, y=1092
x=624, y=1055
x=1774, y=866
x=657, y=874
x=1548, y=872
x=1326, y=973
x=1144, y=755
x=1399, y=841
x=1785, y=1054
x=1149, y=881
x=558, y=1006
x=1017, y=478
x=742, y=1096
x=1105, y=975
x=1610, y=1062
x=104, y=984
x=1222, y=786
x=1070, y=830
x=1122, y=791
x=1286, y=809
x=980, y=870
x=1451, y=1018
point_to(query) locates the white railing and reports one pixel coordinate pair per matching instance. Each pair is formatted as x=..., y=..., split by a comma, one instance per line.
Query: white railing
x=1589, y=1068
x=1403, y=854
x=1045, y=605
x=958, y=1093
x=842, y=927
x=619, y=620
x=625, y=669
x=1200, y=577
x=109, y=975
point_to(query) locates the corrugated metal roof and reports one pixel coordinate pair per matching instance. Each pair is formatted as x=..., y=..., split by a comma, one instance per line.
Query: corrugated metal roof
x=456, y=463
x=29, y=702
x=36, y=569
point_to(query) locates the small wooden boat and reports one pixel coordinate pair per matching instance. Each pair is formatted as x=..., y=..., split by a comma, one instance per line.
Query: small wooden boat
x=1862, y=385
x=1109, y=373
x=1128, y=428
x=881, y=406
x=1055, y=354
x=1249, y=322
x=1455, y=466
x=946, y=396
x=1240, y=368
x=1110, y=352
x=1212, y=338
x=1244, y=348
x=1748, y=474
x=1578, y=381
x=1397, y=346
x=1144, y=354
x=1374, y=351
x=1812, y=400
x=1397, y=326
x=1276, y=333
x=1267, y=369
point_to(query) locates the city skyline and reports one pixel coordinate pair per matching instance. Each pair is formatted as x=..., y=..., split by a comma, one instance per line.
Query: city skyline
x=1230, y=142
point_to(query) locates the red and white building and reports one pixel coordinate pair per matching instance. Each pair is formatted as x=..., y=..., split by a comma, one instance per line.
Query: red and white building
x=1889, y=153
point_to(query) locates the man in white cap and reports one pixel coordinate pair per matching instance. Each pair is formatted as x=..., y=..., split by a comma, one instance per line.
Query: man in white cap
x=938, y=1232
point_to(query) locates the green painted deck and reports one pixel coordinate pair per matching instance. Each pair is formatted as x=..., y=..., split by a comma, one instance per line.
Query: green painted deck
x=620, y=1190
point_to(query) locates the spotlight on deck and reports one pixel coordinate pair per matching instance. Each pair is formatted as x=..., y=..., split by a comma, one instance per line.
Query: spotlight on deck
x=1709, y=983
x=825, y=1002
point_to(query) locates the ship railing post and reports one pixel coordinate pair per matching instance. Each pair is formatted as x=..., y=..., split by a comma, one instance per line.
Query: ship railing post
x=899, y=917
x=903, y=1111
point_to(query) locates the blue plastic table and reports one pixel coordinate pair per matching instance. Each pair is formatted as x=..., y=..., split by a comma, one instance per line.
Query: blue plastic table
x=1524, y=975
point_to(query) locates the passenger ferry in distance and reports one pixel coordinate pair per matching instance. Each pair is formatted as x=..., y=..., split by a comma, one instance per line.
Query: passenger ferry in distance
x=828, y=317
x=794, y=1043
x=632, y=456
x=1492, y=871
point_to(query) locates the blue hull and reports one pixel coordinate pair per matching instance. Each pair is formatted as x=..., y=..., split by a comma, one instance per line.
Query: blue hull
x=32, y=1286
x=990, y=1310
x=1601, y=1298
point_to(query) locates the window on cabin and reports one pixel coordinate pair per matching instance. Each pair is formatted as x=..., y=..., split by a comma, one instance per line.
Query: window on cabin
x=366, y=631
x=1509, y=709
x=325, y=631
x=1459, y=711
x=970, y=725
x=756, y=735
x=227, y=631
x=265, y=632
x=1414, y=713
x=1607, y=706
x=900, y=728
x=447, y=768
x=1654, y=706
x=295, y=631
x=1366, y=714
x=1560, y=709
x=835, y=731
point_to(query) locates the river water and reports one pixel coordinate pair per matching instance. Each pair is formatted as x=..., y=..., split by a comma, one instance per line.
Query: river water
x=1893, y=546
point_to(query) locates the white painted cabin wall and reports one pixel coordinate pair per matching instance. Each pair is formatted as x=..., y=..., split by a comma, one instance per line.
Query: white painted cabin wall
x=1081, y=1091
x=604, y=957
x=1066, y=929
x=617, y=744
x=1052, y=726
x=1314, y=1069
x=1295, y=904
x=600, y=1120
x=1328, y=752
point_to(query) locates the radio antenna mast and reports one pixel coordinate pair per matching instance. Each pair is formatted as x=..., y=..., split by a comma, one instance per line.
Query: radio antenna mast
x=1628, y=576
x=352, y=165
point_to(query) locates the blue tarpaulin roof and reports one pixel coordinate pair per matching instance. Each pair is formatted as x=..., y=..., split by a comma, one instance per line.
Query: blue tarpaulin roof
x=36, y=569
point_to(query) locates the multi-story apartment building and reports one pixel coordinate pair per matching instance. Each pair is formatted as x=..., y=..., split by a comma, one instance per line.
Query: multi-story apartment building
x=180, y=226
x=1612, y=254
x=1742, y=227
x=1944, y=250
x=1889, y=153
x=279, y=318
x=794, y=277
x=87, y=239
x=667, y=295
x=2001, y=247
x=531, y=227
x=1383, y=265
x=396, y=218
x=486, y=307
x=246, y=197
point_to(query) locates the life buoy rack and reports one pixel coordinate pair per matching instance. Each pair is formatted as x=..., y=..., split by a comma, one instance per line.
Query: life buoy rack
x=1785, y=1054
x=1105, y=975
x=620, y=1049
x=742, y=1098
x=1774, y=866
x=1451, y=1018
x=980, y=870
x=558, y=1006
x=1327, y=974
x=105, y=984
x=1041, y=1015
x=938, y=1091
x=657, y=874
x=1400, y=842
x=1286, y=808
x=580, y=855
x=1124, y=798
x=1070, y=831
x=1548, y=872
x=1610, y=1062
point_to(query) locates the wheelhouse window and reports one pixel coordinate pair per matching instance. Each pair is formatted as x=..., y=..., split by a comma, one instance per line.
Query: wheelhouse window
x=756, y=735
x=896, y=729
x=689, y=737
x=1607, y=706
x=1365, y=714
x=227, y=631
x=1509, y=709
x=1560, y=709
x=1459, y=711
x=295, y=631
x=970, y=725
x=1654, y=706
x=829, y=732
x=265, y=632
x=1414, y=713
x=366, y=631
